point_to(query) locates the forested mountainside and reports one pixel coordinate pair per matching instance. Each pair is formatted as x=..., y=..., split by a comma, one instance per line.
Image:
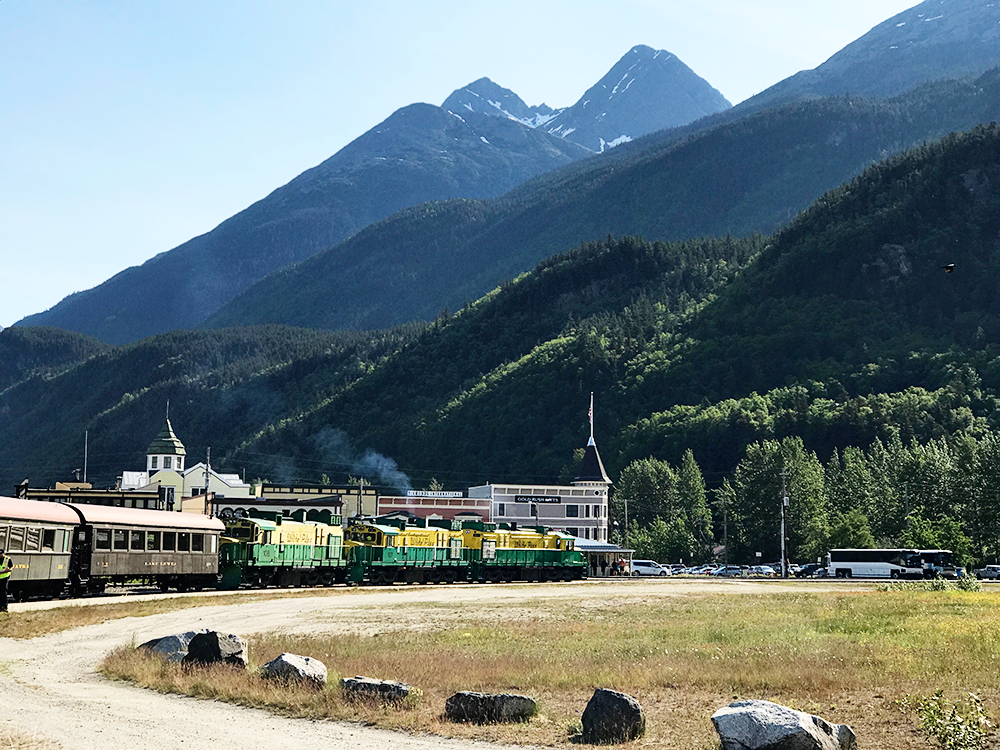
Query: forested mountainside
x=751, y=175
x=842, y=349
x=419, y=153
x=221, y=385
x=24, y=351
x=845, y=341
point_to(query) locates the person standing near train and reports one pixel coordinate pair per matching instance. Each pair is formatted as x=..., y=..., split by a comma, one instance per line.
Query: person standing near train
x=6, y=566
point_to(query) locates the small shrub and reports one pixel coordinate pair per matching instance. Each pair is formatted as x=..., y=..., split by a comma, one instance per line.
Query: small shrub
x=969, y=583
x=959, y=725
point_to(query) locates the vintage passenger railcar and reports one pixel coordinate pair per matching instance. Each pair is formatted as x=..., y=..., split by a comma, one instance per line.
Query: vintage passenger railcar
x=162, y=548
x=266, y=549
x=73, y=548
x=38, y=538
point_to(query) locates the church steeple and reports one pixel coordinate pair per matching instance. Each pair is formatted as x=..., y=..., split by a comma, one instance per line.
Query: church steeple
x=166, y=451
x=592, y=468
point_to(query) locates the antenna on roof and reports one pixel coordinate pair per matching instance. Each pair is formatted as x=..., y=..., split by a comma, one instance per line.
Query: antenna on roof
x=168, y=409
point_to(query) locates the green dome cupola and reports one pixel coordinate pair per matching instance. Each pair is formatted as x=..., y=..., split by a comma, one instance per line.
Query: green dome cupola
x=166, y=451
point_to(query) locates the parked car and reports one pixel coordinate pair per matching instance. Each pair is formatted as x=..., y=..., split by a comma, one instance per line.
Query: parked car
x=763, y=570
x=812, y=570
x=989, y=573
x=729, y=571
x=648, y=568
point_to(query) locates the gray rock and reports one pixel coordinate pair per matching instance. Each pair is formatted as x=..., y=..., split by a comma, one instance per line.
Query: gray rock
x=485, y=708
x=366, y=688
x=295, y=668
x=213, y=648
x=612, y=717
x=172, y=647
x=762, y=725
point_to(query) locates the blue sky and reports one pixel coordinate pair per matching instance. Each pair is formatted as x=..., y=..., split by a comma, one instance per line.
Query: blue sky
x=131, y=127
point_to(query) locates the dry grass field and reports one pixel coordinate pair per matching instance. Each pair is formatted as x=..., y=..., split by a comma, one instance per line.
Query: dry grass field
x=845, y=655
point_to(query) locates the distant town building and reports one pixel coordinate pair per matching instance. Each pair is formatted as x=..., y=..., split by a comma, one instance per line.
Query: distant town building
x=290, y=500
x=84, y=492
x=580, y=508
x=432, y=504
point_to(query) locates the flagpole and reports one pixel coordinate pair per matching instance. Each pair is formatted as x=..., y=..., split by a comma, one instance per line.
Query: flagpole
x=591, y=413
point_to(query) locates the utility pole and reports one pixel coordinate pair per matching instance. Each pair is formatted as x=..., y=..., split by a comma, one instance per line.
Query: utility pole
x=208, y=468
x=626, y=521
x=784, y=504
x=725, y=528
x=86, y=446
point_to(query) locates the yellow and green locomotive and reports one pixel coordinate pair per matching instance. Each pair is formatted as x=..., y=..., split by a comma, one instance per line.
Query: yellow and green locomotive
x=266, y=549
x=384, y=551
x=505, y=552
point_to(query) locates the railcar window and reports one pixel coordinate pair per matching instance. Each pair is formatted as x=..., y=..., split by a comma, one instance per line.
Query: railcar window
x=152, y=541
x=138, y=541
x=3, y=537
x=119, y=539
x=102, y=538
x=197, y=543
x=213, y=539
x=64, y=540
x=34, y=540
x=16, y=542
x=169, y=541
x=183, y=542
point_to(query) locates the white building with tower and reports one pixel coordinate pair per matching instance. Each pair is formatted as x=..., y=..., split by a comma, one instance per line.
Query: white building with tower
x=184, y=487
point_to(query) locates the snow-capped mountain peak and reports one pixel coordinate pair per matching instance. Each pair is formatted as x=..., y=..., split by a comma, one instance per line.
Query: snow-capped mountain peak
x=647, y=90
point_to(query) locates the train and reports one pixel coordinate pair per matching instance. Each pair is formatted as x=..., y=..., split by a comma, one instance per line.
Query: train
x=73, y=549
x=315, y=548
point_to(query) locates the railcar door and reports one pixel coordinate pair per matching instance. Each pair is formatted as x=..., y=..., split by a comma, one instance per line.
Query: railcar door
x=80, y=558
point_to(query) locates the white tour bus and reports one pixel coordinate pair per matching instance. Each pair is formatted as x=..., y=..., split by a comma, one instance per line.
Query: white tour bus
x=874, y=563
x=890, y=563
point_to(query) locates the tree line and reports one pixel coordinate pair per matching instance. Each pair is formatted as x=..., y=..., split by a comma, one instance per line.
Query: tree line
x=940, y=494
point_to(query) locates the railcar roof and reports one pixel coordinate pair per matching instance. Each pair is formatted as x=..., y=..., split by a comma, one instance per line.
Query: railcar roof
x=36, y=510
x=112, y=514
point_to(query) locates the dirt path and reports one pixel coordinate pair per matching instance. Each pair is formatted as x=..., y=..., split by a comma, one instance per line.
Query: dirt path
x=51, y=692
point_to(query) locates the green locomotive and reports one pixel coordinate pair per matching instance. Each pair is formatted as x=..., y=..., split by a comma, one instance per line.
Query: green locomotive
x=384, y=551
x=266, y=549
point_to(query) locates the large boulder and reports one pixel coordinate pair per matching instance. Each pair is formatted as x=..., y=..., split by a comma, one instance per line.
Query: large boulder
x=612, y=717
x=762, y=725
x=365, y=688
x=486, y=708
x=295, y=668
x=172, y=647
x=217, y=648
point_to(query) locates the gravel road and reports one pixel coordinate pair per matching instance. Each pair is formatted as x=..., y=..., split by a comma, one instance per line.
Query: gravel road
x=52, y=693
